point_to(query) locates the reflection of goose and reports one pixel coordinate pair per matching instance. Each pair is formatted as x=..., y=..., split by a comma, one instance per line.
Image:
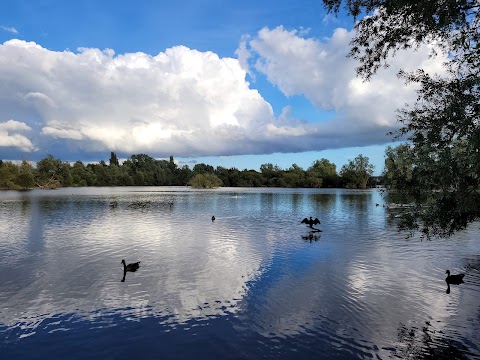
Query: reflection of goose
x=454, y=279
x=310, y=222
x=130, y=267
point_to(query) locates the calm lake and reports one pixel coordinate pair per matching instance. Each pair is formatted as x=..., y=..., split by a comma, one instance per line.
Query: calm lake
x=250, y=285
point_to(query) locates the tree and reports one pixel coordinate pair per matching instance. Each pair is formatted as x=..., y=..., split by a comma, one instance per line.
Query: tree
x=250, y=178
x=398, y=172
x=66, y=175
x=356, y=173
x=293, y=177
x=8, y=174
x=102, y=174
x=113, y=159
x=205, y=181
x=171, y=165
x=25, y=178
x=203, y=168
x=78, y=174
x=271, y=173
x=183, y=175
x=322, y=173
x=49, y=172
x=442, y=128
x=222, y=174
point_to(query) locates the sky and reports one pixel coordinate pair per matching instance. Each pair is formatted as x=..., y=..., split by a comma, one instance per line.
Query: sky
x=226, y=83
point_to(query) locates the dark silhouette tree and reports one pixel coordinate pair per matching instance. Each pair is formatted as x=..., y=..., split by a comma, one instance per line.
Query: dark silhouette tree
x=113, y=159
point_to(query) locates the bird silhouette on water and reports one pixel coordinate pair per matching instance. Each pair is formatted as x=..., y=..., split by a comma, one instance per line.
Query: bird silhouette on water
x=310, y=222
x=130, y=267
x=453, y=279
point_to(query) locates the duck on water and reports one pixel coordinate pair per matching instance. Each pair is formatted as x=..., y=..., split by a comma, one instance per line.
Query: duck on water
x=453, y=279
x=130, y=267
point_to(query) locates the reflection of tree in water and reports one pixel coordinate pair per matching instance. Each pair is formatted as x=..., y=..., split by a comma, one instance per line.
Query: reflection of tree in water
x=140, y=204
x=359, y=202
x=296, y=200
x=472, y=264
x=325, y=202
x=428, y=344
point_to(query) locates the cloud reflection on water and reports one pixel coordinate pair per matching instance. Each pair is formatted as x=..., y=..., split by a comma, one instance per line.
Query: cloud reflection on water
x=352, y=287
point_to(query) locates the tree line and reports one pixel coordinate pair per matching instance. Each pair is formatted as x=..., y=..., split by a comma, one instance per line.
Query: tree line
x=143, y=170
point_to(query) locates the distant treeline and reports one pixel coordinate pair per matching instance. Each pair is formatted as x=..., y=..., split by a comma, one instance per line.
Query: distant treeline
x=143, y=170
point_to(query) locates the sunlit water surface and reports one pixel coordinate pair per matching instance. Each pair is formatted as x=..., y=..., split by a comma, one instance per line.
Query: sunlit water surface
x=249, y=285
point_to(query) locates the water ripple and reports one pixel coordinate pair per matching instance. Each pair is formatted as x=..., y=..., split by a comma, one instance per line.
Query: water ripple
x=250, y=284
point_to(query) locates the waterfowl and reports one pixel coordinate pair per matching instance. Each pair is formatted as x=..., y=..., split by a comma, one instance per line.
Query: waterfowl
x=130, y=267
x=454, y=279
x=213, y=218
x=310, y=222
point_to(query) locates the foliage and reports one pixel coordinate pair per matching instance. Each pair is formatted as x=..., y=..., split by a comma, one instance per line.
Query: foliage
x=392, y=25
x=271, y=174
x=25, y=179
x=49, y=173
x=143, y=170
x=114, y=159
x=442, y=127
x=294, y=177
x=8, y=175
x=356, y=173
x=205, y=181
x=203, y=168
x=250, y=178
x=322, y=173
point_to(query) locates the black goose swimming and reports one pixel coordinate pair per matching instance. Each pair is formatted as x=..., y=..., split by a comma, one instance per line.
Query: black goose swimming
x=130, y=267
x=454, y=279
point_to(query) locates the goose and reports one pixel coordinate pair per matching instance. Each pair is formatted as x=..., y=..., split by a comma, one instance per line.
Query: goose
x=213, y=218
x=130, y=267
x=454, y=279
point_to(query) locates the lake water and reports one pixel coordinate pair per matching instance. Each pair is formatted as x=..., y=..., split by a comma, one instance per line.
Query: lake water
x=250, y=285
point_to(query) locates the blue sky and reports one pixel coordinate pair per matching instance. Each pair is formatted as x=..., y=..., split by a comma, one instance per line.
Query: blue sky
x=235, y=84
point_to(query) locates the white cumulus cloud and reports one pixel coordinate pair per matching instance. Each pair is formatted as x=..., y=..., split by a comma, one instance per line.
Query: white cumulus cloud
x=190, y=103
x=10, y=137
x=181, y=101
x=321, y=71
